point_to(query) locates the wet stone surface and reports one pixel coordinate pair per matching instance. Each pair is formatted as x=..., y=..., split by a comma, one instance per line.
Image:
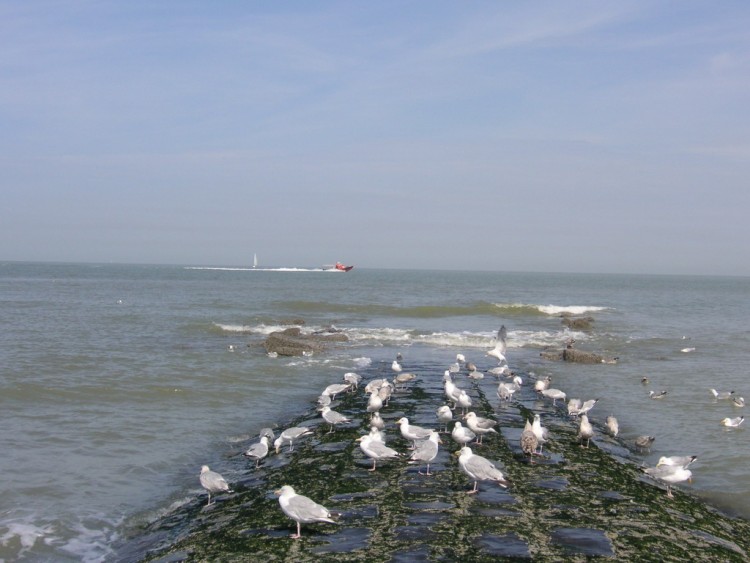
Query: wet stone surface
x=572, y=504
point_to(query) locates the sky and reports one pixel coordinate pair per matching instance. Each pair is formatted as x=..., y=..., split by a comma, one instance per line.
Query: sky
x=601, y=136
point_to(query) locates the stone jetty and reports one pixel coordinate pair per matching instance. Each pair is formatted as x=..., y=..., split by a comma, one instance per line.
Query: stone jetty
x=572, y=504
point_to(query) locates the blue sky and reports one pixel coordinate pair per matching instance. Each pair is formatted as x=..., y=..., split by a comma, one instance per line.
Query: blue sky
x=520, y=136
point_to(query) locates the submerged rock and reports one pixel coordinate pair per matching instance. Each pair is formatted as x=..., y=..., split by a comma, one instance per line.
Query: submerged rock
x=293, y=342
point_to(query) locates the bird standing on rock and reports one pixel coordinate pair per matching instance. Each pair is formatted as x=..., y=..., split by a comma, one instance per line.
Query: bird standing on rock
x=479, y=425
x=302, y=509
x=585, y=431
x=213, y=482
x=479, y=468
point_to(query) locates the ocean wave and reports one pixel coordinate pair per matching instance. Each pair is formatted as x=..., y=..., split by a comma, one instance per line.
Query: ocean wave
x=387, y=336
x=529, y=309
x=395, y=311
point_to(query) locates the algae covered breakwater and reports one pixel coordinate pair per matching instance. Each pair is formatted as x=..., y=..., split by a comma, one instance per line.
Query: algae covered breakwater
x=572, y=504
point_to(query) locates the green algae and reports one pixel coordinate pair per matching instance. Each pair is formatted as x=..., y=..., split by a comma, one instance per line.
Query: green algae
x=575, y=503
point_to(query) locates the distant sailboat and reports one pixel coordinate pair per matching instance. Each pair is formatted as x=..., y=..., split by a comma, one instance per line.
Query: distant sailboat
x=255, y=260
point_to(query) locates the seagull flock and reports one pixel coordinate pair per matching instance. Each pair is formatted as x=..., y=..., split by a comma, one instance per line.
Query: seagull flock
x=469, y=430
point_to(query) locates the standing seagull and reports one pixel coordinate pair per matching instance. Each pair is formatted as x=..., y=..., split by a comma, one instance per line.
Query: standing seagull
x=426, y=451
x=461, y=434
x=644, y=442
x=376, y=450
x=479, y=425
x=585, y=431
x=539, y=431
x=302, y=509
x=529, y=441
x=258, y=451
x=613, y=425
x=444, y=416
x=411, y=432
x=289, y=435
x=479, y=468
x=213, y=482
x=670, y=474
x=333, y=418
x=498, y=351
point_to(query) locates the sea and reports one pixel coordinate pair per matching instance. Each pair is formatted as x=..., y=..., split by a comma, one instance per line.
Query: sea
x=118, y=382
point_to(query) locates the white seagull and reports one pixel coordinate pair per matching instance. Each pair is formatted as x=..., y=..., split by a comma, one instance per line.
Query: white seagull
x=333, y=418
x=289, y=435
x=480, y=425
x=479, y=468
x=426, y=451
x=585, y=430
x=213, y=482
x=461, y=434
x=302, y=509
x=499, y=350
x=444, y=416
x=377, y=451
x=733, y=422
x=258, y=451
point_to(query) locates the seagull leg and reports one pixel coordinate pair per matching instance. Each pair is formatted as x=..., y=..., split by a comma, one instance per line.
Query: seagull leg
x=373, y=465
x=475, y=490
x=299, y=532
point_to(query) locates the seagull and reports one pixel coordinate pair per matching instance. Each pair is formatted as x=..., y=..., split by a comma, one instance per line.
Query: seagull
x=377, y=421
x=500, y=370
x=677, y=460
x=450, y=388
x=302, y=509
x=479, y=468
x=374, y=403
x=733, y=422
x=267, y=432
x=402, y=379
x=258, y=451
x=587, y=406
x=738, y=401
x=670, y=474
x=377, y=451
x=529, y=441
x=213, y=482
x=385, y=392
x=454, y=367
x=722, y=394
x=333, y=418
x=374, y=385
x=479, y=425
x=542, y=384
x=426, y=451
x=657, y=395
x=505, y=390
x=574, y=405
x=324, y=400
x=445, y=415
x=464, y=401
x=289, y=435
x=585, y=430
x=396, y=367
x=498, y=351
x=539, y=431
x=554, y=394
x=475, y=375
x=644, y=442
x=613, y=425
x=376, y=435
x=335, y=389
x=460, y=358
x=461, y=434
x=353, y=379
x=411, y=432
